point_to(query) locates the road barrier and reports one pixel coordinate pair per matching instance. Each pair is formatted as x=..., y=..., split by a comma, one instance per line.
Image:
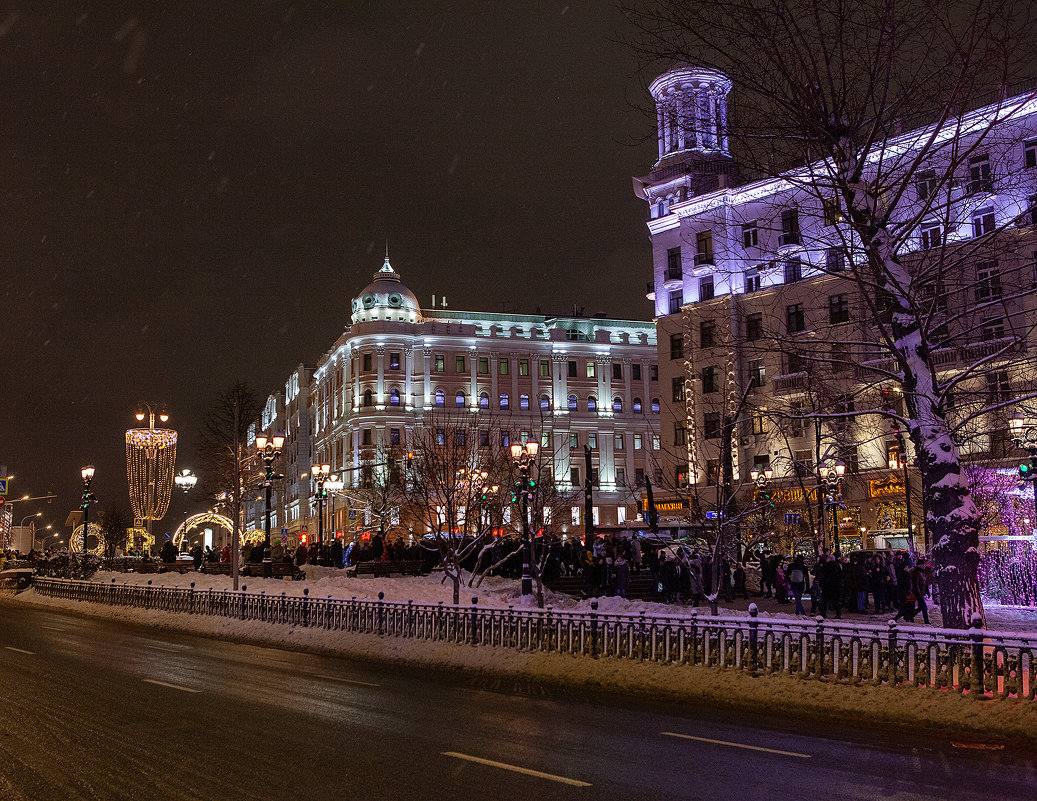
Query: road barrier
x=1002, y=664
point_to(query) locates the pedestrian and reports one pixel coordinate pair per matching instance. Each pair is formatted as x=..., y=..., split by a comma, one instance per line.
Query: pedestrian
x=622, y=568
x=798, y=576
x=831, y=587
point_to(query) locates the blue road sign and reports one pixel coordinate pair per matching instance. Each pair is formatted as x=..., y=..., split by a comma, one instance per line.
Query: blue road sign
x=3, y=486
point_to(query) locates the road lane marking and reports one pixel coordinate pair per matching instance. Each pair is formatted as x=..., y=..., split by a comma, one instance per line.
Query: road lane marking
x=348, y=681
x=52, y=628
x=163, y=648
x=516, y=769
x=736, y=745
x=172, y=686
x=19, y=650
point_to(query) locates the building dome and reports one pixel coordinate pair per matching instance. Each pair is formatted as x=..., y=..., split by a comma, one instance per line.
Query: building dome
x=386, y=298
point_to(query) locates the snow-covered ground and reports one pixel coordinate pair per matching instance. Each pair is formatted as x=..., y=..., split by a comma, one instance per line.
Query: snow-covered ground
x=498, y=592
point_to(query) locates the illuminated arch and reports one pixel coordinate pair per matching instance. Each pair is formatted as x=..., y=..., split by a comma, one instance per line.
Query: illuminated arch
x=250, y=535
x=75, y=542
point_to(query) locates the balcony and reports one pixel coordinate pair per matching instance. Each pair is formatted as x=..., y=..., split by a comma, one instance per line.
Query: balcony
x=788, y=238
x=673, y=278
x=650, y=293
x=793, y=382
x=704, y=260
x=981, y=350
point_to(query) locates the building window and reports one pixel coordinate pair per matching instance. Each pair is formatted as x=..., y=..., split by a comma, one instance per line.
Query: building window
x=459, y=364
x=545, y=439
x=676, y=346
x=993, y=328
x=653, y=369
x=793, y=270
x=706, y=291
x=505, y=439
x=752, y=280
x=545, y=369
x=394, y=436
x=394, y=397
x=545, y=402
x=367, y=362
x=656, y=442
x=590, y=370
x=459, y=437
x=712, y=471
x=484, y=365
x=711, y=425
x=840, y=358
x=982, y=221
x=441, y=436
x=754, y=326
x=759, y=423
x=592, y=403
x=484, y=438
x=980, y=177
x=592, y=441
x=988, y=281
x=617, y=442
x=832, y=211
x=925, y=184
x=680, y=434
x=571, y=369
x=931, y=236
x=366, y=437
x=523, y=401
x=523, y=366
x=795, y=320
x=704, y=247
x=655, y=406
x=838, y=309
x=617, y=404
x=998, y=386
x=574, y=403
x=707, y=334
x=574, y=440
x=484, y=400
x=621, y=481
x=636, y=405
x=678, y=387
x=574, y=477
x=796, y=363
x=1030, y=154
x=504, y=400
x=368, y=398
x=394, y=361
x=503, y=367
x=673, y=264
x=440, y=398
x=440, y=363
x=617, y=371
x=750, y=235
x=710, y=381
x=638, y=442
x=757, y=373
x=789, y=228
x=459, y=399
x=835, y=260
x=674, y=300
x=635, y=372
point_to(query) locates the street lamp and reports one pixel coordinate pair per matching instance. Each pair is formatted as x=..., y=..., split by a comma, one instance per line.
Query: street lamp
x=269, y=449
x=186, y=481
x=830, y=479
x=760, y=476
x=321, y=473
x=1026, y=436
x=523, y=456
x=22, y=525
x=88, y=498
x=334, y=485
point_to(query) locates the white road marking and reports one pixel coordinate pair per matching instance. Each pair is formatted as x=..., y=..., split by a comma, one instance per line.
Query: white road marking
x=19, y=650
x=52, y=628
x=517, y=769
x=736, y=745
x=172, y=686
x=162, y=648
x=348, y=681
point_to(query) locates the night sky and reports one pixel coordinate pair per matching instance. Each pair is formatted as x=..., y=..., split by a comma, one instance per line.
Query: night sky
x=193, y=192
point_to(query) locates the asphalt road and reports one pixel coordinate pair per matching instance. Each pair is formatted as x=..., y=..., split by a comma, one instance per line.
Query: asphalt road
x=91, y=709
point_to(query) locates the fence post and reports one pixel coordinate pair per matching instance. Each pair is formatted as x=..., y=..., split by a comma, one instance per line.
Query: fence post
x=819, y=643
x=754, y=626
x=284, y=608
x=511, y=626
x=411, y=627
x=475, y=619
x=381, y=613
x=306, y=606
x=244, y=589
x=190, y=602
x=892, y=653
x=594, y=629
x=976, y=686
x=643, y=643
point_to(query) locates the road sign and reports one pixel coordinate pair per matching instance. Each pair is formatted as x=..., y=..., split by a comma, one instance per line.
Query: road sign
x=2, y=502
x=284, y=532
x=792, y=518
x=3, y=486
x=352, y=514
x=138, y=522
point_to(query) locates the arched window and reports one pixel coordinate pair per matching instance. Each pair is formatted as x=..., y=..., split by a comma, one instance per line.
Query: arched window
x=484, y=400
x=368, y=398
x=394, y=397
x=655, y=406
x=523, y=401
x=617, y=404
x=637, y=406
x=440, y=398
x=504, y=400
x=545, y=402
x=573, y=403
x=459, y=399
x=592, y=403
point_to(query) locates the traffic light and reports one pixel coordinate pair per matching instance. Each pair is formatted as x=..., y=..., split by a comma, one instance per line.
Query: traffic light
x=410, y=459
x=1026, y=471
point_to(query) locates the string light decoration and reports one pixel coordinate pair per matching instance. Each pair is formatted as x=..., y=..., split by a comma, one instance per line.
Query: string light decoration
x=75, y=543
x=251, y=536
x=150, y=466
x=139, y=538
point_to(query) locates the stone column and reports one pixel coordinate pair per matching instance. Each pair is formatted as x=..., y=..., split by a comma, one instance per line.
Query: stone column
x=380, y=387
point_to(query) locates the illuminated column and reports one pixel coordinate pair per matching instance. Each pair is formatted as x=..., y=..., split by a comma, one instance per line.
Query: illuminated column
x=534, y=375
x=473, y=365
x=427, y=402
x=494, y=371
x=559, y=382
x=381, y=375
x=408, y=367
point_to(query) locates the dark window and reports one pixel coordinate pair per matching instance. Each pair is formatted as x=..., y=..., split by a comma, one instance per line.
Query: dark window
x=394, y=361
x=676, y=346
x=752, y=280
x=574, y=476
x=1030, y=153
x=678, y=389
x=505, y=439
x=794, y=318
x=711, y=425
x=484, y=438
x=793, y=270
x=932, y=236
x=366, y=437
x=635, y=372
x=368, y=398
x=983, y=222
x=833, y=211
x=673, y=264
x=653, y=369
x=988, y=281
x=710, y=380
x=789, y=227
x=394, y=436
x=617, y=371
x=459, y=437
x=757, y=373
x=706, y=288
x=840, y=355
x=675, y=298
x=572, y=369
x=838, y=309
x=704, y=247
x=680, y=434
x=835, y=260
x=754, y=326
x=993, y=328
x=925, y=184
x=980, y=177
x=707, y=334
x=394, y=397
x=367, y=362
x=998, y=386
x=796, y=363
x=750, y=235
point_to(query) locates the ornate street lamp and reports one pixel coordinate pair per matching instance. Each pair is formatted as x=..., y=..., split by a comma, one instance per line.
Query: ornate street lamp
x=321, y=473
x=524, y=456
x=830, y=479
x=269, y=449
x=186, y=481
x=88, y=498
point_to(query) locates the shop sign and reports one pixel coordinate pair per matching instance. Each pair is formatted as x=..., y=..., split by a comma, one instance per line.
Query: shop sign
x=665, y=506
x=886, y=488
x=793, y=495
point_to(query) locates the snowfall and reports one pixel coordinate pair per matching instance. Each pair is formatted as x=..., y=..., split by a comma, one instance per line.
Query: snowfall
x=941, y=713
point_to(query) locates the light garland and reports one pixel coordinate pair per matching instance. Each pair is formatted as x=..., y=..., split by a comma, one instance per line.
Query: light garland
x=75, y=542
x=139, y=538
x=252, y=535
x=150, y=465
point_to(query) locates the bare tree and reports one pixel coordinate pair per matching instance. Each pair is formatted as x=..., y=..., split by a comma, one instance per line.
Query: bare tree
x=824, y=93
x=113, y=521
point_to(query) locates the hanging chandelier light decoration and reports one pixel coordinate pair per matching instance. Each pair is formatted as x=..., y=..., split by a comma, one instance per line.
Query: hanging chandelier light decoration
x=150, y=466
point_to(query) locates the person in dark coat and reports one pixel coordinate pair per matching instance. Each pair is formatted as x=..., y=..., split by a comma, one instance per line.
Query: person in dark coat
x=336, y=553
x=831, y=587
x=197, y=554
x=168, y=552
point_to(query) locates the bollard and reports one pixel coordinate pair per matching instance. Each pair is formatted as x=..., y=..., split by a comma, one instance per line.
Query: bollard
x=754, y=627
x=475, y=619
x=594, y=629
x=976, y=686
x=892, y=645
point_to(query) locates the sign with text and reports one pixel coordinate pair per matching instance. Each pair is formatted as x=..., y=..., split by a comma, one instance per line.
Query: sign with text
x=886, y=488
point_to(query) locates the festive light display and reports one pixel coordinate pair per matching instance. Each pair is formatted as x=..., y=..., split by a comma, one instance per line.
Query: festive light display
x=75, y=543
x=1008, y=561
x=150, y=464
x=252, y=535
x=139, y=538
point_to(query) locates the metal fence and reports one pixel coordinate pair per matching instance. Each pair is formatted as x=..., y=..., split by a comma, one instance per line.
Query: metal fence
x=1003, y=664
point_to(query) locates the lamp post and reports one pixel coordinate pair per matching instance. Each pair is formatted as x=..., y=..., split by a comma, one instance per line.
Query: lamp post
x=269, y=449
x=186, y=481
x=523, y=456
x=760, y=476
x=830, y=479
x=321, y=473
x=22, y=525
x=334, y=485
x=88, y=498
x=1026, y=436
